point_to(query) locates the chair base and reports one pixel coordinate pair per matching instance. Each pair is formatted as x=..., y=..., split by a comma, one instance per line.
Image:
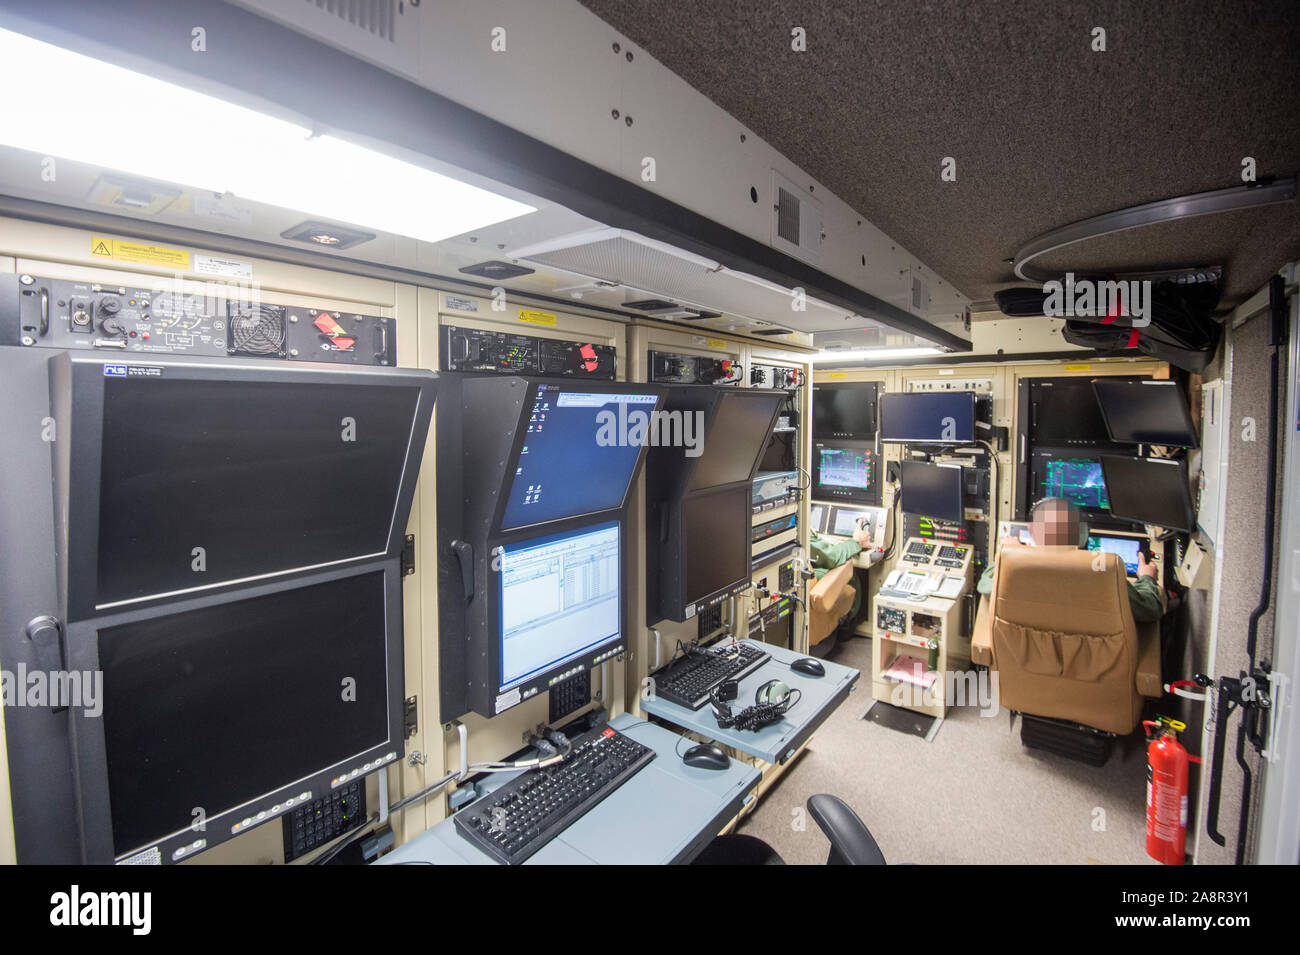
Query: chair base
x=1082, y=744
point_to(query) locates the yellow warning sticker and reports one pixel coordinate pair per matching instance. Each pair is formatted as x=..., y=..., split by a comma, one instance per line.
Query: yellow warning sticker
x=838, y=374
x=139, y=253
x=536, y=318
x=1078, y=367
x=715, y=343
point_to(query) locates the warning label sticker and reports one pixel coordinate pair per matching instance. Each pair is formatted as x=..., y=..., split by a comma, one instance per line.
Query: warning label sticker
x=536, y=318
x=138, y=252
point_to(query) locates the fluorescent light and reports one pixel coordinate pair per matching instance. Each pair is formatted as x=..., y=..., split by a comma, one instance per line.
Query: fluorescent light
x=873, y=354
x=69, y=106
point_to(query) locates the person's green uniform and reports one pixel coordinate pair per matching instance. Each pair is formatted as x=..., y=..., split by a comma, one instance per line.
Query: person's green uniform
x=827, y=555
x=1143, y=595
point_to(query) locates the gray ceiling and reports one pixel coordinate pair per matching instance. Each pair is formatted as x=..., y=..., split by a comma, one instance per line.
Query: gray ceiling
x=1044, y=130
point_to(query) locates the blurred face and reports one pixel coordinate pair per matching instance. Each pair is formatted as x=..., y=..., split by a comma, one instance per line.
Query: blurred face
x=1055, y=523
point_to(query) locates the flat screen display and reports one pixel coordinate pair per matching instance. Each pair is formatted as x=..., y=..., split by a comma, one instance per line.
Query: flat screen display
x=1065, y=411
x=844, y=467
x=1077, y=480
x=212, y=708
x=579, y=452
x=928, y=418
x=559, y=598
x=206, y=481
x=1126, y=549
x=932, y=490
x=846, y=522
x=716, y=528
x=844, y=410
x=1146, y=412
x=735, y=438
x=1149, y=491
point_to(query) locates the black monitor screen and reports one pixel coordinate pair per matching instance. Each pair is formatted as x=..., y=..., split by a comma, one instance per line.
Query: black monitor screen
x=211, y=708
x=1077, y=480
x=844, y=410
x=1146, y=412
x=716, y=527
x=844, y=466
x=206, y=481
x=1149, y=490
x=579, y=451
x=559, y=598
x=1065, y=411
x=734, y=440
x=932, y=490
x=928, y=418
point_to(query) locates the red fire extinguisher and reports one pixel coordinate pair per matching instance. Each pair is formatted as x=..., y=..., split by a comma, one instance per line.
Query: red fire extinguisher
x=1166, y=792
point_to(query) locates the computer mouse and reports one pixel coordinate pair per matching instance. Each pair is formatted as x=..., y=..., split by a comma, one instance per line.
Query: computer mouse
x=809, y=666
x=706, y=756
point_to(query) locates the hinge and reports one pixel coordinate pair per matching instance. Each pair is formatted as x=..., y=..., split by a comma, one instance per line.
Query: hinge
x=408, y=555
x=410, y=721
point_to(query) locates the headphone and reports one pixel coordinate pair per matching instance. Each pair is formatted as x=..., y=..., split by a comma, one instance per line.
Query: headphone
x=772, y=701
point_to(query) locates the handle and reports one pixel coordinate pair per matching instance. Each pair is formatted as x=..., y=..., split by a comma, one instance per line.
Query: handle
x=464, y=552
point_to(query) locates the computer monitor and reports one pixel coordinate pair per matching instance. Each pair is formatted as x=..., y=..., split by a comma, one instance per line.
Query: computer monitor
x=845, y=471
x=716, y=525
x=183, y=476
x=558, y=604
x=817, y=517
x=1126, y=549
x=1064, y=411
x=580, y=446
x=928, y=418
x=845, y=410
x=1077, y=480
x=1146, y=412
x=241, y=709
x=736, y=437
x=932, y=490
x=846, y=521
x=1149, y=491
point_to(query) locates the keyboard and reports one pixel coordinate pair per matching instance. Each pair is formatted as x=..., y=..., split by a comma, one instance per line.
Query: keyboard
x=687, y=681
x=521, y=817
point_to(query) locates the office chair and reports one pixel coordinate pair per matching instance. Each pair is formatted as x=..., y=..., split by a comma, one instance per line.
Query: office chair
x=851, y=841
x=829, y=600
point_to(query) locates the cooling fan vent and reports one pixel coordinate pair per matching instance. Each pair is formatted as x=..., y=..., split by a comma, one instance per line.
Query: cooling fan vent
x=256, y=330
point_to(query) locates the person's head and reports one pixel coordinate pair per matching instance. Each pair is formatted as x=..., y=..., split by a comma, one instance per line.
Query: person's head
x=1055, y=523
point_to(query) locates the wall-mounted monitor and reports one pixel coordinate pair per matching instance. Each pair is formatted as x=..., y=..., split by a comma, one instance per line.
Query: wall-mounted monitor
x=1077, y=480
x=845, y=410
x=229, y=713
x=932, y=490
x=717, y=558
x=182, y=477
x=737, y=432
x=928, y=418
x=1146, y=412
x=578, y=447
x=845, y=471
x=1149, y=491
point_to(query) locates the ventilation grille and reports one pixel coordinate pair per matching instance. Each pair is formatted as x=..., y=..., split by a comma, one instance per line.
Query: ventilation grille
x=256, y=330
x=376, y=17
x=787, y=215
x=920, y=296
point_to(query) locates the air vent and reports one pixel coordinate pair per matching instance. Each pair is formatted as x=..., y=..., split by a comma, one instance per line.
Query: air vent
x=376, y=17
x=256, y=329
x=771, y=331
x=650, y=304
x=497, y=270
x=797, y=221
x=326, y=236
x=787, y=215
x=920, y=296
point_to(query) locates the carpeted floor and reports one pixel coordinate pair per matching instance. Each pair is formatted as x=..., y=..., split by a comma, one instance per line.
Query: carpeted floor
x=973, y=795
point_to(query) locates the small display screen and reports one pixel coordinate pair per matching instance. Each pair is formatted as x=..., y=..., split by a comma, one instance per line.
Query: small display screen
x=844, y=467
x=559, y=599
x=816, y=514
x=716, y=526
x=845, y=410
x=579, y=451
x=846, y=522
x=1078, y=481
x=1126, y=549
x=932, y=490
x=928, y=418
x=211, y=708
x=1150, y=491
x=1146, y=412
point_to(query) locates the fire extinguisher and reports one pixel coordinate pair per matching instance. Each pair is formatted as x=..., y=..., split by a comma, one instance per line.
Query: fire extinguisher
x=1166, y=791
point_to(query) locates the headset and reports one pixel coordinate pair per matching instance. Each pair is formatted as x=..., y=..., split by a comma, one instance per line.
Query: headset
x=772, y=701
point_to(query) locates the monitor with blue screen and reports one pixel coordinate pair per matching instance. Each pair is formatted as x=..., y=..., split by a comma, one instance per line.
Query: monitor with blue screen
x=1125, y=548
x=559, y=601
x=1078, y=481
x=579, y=451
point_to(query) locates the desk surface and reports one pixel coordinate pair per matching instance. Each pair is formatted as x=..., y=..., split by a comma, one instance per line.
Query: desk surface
x=778, y=742
x=664, y=814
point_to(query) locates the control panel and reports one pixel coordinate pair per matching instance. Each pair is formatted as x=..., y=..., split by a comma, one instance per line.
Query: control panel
x=479, y=350
x=309, y=827
x=775, y=376
x=56, y=313
x=833, y=520
x=672, y=368
x=769, y=529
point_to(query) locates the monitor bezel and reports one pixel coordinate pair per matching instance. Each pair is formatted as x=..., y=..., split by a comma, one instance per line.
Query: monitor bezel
x=961, y=490
x=889, y=397
x=77, y=385
x=521, y=434
x=89, y=747
x=837, y=493
x=500, y=699
x=866, y=387
x=1190, y=522
x=1100, y=385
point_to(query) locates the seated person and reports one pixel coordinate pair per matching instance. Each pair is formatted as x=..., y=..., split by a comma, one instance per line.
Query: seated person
x=827, y=555
x=1056, y=524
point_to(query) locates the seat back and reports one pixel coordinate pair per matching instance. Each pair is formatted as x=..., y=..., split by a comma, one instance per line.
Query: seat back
x=828, y=601
x=1064, y=642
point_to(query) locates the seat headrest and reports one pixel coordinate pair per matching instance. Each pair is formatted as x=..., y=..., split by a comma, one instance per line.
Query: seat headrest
x=1063, y=589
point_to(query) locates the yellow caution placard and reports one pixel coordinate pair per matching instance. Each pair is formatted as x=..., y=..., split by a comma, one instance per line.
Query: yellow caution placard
x=715, y=343
x=536, y=318
x=1078, y=367
x=139, y=252
x=838, y=374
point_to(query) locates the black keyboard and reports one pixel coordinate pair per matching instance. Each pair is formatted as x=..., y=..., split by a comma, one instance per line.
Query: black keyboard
x=526, y=813
x=687, y=681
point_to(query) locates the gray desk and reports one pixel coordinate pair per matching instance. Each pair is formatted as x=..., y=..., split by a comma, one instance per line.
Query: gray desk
x=778, y=742
x=664, y=814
